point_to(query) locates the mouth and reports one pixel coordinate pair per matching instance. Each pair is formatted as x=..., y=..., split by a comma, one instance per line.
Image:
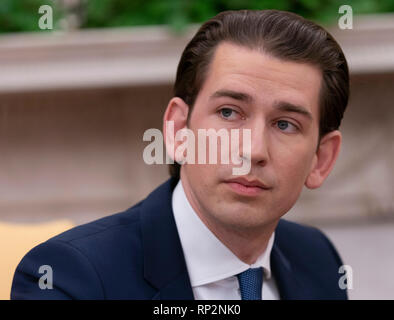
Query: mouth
x=246, y=187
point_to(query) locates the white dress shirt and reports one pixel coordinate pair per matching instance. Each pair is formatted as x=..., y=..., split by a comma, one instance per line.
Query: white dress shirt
x=212, y=267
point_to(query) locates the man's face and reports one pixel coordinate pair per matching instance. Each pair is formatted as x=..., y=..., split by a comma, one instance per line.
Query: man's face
x=278, y=100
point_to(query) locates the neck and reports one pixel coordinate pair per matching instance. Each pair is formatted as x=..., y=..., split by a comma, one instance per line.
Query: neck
x=247, y=243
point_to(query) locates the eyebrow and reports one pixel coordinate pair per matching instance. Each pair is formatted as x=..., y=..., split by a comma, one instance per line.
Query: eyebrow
x=279, y=105
x=241, y=96
x=289, y=107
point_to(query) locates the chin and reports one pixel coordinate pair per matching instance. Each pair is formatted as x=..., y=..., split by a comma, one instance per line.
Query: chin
x=244, y=219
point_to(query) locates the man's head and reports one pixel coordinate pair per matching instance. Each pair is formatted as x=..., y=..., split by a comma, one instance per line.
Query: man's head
x=281, y=76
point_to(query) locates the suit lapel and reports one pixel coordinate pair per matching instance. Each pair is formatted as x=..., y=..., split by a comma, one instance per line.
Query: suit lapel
x=287, y=279
x=164, y=262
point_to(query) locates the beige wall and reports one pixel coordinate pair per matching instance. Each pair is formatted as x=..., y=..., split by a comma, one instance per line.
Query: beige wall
x=78, y=154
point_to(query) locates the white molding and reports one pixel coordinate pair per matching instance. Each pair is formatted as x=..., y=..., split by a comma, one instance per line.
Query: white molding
x=90, y=58
x=149, y=55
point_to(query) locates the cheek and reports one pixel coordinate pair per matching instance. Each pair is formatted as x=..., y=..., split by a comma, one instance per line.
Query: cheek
x=203, y=183
x=291, y=170
x=293, y=165
x=202, y=177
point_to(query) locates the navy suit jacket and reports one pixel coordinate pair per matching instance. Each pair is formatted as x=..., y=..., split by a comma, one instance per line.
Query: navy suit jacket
x=137, y=254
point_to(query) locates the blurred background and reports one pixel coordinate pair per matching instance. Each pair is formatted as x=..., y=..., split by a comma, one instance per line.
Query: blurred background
x=76, y=99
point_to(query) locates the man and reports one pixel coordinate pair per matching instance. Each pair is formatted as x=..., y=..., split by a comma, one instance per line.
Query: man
x=206, y=233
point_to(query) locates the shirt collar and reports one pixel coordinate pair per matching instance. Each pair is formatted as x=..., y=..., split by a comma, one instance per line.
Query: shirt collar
x=207, y=258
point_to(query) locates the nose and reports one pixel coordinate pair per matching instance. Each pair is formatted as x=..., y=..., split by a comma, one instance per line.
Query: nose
x=259, y=143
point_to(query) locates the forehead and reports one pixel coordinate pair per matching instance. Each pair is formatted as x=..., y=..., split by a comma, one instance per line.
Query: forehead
x=264, y=77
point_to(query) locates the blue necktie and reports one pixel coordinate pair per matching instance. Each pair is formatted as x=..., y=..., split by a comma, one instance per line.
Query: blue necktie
x=250, y=283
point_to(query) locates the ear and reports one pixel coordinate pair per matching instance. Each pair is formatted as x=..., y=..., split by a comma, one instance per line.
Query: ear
x=324, y=159
x=175, y=118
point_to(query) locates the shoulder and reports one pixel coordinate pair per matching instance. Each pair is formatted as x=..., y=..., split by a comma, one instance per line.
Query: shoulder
x=313, y=259
x=82, y=259
x=290, y=231
x=108, y=236
x=102, y=229
x=295, y=238
x=100, y=259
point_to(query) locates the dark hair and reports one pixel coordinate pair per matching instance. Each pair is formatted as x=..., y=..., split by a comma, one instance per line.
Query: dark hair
x=282, y=34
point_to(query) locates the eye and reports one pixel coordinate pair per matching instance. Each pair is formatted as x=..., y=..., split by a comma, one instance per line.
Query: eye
x=286, y=126
x=228, y=114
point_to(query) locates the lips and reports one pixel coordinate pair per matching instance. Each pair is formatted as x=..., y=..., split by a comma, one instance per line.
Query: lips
x=247, y=187
x=249, y=183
